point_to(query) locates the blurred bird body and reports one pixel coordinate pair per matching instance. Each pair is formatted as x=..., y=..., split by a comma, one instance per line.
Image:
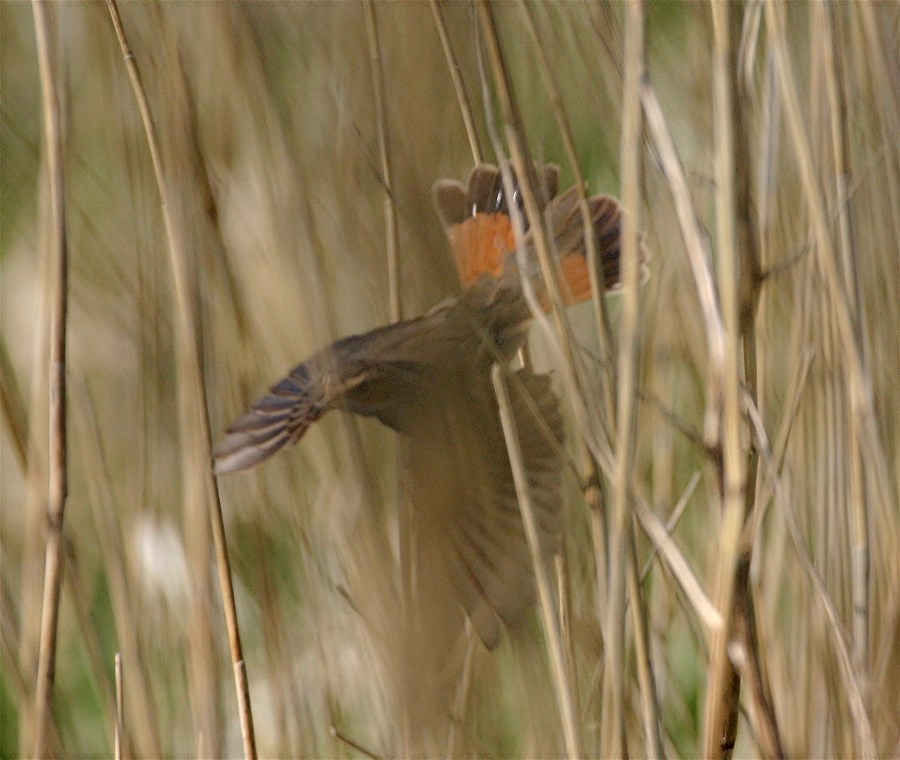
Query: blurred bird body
x=429, y=379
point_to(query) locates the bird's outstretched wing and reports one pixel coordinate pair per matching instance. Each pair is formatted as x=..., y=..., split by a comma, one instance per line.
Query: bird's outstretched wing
x=393, y=373
x=279, y=418
x=429, y=378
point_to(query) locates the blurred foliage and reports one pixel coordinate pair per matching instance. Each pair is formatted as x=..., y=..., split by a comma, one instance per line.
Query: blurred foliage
x=268, y=125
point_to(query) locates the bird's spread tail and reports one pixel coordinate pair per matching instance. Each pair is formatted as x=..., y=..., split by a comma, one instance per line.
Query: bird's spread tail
x=478, y=222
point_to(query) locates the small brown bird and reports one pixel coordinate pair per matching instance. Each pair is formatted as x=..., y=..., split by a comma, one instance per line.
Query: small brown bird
x=429, y=379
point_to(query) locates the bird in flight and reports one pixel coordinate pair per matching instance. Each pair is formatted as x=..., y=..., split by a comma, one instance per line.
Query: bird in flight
x=429, y=379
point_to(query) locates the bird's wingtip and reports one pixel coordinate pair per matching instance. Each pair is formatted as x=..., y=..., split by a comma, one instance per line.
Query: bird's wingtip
x=236, y=452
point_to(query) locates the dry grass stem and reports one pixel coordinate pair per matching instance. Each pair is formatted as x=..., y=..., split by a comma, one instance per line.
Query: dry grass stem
x=723, y=683
x=593, y=492
x=623, y=567
x=200, y=489
x=459, y=87
x=342, y=737
x=854, y=692
x=696, y=249
x=674, y=517
x=601, y=315
x=558, y=333
x=677, y=563
x=108, y=525
x=561, y=680
x=863, y=439
x=384, y=154
x=120, y=710
x=57, y=283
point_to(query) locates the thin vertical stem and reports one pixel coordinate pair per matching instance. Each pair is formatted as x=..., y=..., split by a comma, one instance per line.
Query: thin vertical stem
x=837, y=109
x=405, y=539
x=749, y=267
x=723, y=682
x=601, y=317
x=200, y=487
x=649, y=698
x=559, y=334
x=459, y=86
x=697, y=252
x=384, y=149
x=57, y=474
x=621, y=535
x=861, y=407
x=120, y=709
x=593, y=491
x=562, y=682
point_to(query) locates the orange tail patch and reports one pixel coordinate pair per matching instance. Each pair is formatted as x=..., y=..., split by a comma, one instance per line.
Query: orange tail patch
x=576, y=279
x=477, y=221
x=481, y=245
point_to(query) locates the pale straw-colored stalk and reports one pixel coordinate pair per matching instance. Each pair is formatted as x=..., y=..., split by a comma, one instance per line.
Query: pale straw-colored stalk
x=562, y=681
x=623, y=575
x=720, y=712
x=57, y=282
x=459, y=87
x=200, y=488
